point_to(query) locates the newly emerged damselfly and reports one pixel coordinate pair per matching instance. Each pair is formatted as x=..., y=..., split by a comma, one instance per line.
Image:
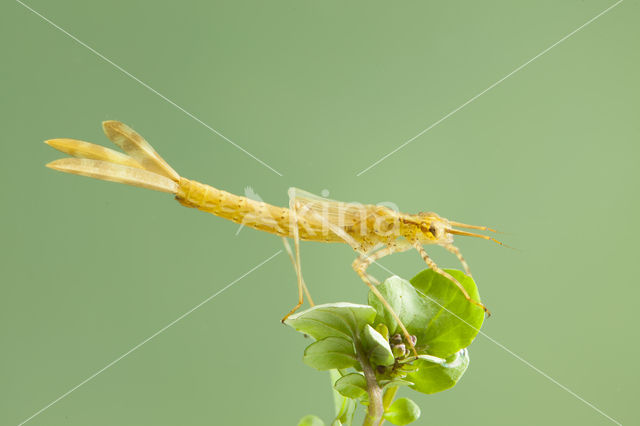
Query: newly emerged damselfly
x=373, y=231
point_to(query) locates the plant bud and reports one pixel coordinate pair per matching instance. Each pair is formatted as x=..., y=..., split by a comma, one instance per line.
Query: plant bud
x=399, y=350
x=414, y=340
x=396, y=339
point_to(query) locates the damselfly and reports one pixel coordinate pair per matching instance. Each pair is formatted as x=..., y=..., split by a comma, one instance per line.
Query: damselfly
x=373, y=231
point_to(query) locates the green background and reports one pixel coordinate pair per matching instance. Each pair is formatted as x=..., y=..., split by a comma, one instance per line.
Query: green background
x=319, y=90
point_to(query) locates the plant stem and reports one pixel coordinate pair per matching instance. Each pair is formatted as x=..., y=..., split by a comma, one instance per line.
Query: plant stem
x=375, y=409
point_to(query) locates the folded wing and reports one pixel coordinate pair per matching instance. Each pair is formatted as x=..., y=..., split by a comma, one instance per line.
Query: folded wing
x=142, y=167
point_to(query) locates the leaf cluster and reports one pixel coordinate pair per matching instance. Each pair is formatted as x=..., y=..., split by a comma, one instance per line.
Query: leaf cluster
x=364, y=348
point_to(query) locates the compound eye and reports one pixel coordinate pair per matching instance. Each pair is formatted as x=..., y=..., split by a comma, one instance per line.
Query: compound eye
x=432, y=229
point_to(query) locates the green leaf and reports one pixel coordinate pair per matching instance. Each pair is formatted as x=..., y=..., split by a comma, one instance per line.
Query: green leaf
x=345, y=415
x=330, y=352
x=455, y=327
x=433, y=309
x=338, y=400
x=405, y=301
x=432, y=377
x=311, y=420
x=344, y=407
x=382, y=329
x=402, y=412
x=394, y=382
x=352, y=386
x=376, y=346
x=332, y=320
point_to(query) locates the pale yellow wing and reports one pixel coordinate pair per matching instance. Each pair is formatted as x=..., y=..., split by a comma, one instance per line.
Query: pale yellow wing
x=143, y=168
x=115, y=173
x=138, y=148
x=82, y=149
x=338, y=213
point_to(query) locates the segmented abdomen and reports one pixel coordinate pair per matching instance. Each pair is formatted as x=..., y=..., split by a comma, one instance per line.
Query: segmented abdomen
x=248, y=212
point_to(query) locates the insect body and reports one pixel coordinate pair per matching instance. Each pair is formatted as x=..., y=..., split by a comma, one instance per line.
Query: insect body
x=372, y=231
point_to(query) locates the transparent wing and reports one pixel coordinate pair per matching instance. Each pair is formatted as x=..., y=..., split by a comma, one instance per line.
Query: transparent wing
x=138, y=148
x=113, y=172
x=337, y=213
x=82, y=149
